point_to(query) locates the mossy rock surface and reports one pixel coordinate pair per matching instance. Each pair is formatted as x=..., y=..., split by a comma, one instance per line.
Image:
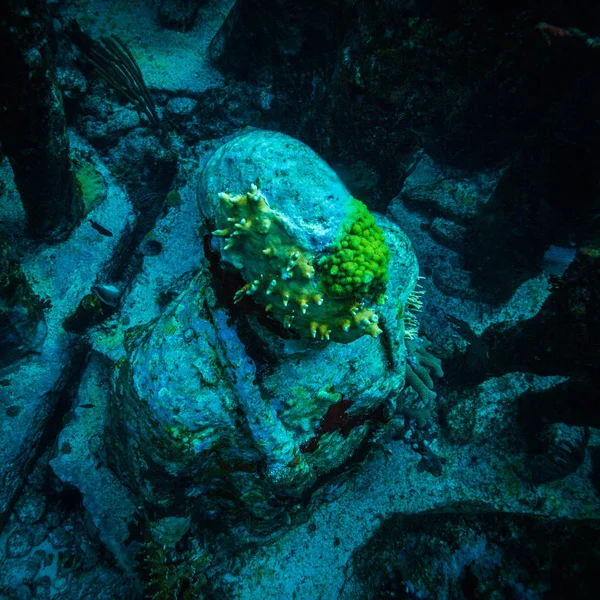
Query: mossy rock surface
x=92, y=187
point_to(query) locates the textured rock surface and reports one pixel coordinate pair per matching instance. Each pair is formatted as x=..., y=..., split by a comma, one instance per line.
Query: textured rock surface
x=452, y=555
x=178, y=14
x=22, y=326
x=193, y=399
x=81, y=463
x=176, y=412
x=179, y=397
x=302, y=186
x=169, y=60
x=284, y=236
x=371, y=87
x=39, y=384
x=33, y=123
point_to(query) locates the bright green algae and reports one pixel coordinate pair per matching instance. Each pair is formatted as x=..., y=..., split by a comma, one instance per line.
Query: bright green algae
x=358, y=261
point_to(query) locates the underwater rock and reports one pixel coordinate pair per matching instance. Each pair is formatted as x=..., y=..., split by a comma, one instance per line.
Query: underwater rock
x=560, y=451
x=180, y=414
x=33, y=123
x=434, y=209
x=471, y=552
x=178, y=14
x=448, y=233
x=110, y=506
x=41, y=385
x=169, y=531
x=22, y=325
x=178, y=404
x=248, y=417
x=73, y=86
x=308, y=252
x=441, y=191
x=103, y=126
x=180, y=107
x=489, y=411
x=19, y=542
x=13, y=219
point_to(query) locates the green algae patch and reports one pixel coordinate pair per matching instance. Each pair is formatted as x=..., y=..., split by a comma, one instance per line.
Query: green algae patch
x=357, y=264
x=92, y=187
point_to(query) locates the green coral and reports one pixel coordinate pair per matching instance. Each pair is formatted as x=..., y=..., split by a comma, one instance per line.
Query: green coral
x=358, y=261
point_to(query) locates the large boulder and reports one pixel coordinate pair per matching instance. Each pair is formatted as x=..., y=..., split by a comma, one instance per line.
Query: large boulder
x=213, y=399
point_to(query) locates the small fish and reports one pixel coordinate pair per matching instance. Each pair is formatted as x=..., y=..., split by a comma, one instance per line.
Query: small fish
x=87, y=406
x=557, y=260
x=431, y=463
x=100, y=229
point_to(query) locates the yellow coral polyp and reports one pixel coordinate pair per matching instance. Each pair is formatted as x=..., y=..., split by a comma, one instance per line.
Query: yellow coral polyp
x=280, y=275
